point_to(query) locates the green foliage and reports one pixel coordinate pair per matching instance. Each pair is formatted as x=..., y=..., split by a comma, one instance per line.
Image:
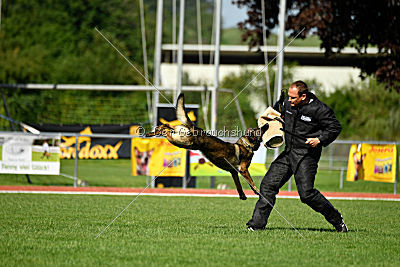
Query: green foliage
x=56, y=42
x=366, y=110
x=190, y=33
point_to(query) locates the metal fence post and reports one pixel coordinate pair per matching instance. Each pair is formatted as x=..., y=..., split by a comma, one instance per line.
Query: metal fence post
x=76, y=160
x=341, y=178
x=186, y=175
x=396, y=178
x=212, y=181
x=330, y=151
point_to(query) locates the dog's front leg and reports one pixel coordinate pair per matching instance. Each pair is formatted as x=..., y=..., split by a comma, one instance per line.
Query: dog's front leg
x=239, y=188
x=244, y=171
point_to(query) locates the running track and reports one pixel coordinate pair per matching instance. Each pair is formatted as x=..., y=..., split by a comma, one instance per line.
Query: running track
x=123, y=191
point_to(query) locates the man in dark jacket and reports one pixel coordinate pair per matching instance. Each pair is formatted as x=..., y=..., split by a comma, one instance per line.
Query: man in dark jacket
x=304, y=115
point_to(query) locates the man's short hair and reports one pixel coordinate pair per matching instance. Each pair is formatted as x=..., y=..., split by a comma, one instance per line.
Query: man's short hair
x=301, y=87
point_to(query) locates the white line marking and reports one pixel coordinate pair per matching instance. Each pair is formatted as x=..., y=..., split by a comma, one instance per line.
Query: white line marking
x=173, y=194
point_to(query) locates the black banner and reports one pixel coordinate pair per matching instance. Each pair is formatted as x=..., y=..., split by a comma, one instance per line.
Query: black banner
x=167, y=114
x=92, y=148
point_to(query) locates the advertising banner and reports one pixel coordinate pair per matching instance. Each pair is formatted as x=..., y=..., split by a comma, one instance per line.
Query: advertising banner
x=372, y=163
x=201, y=166
x=157, y=157
x=24, y=154
x=93, y=148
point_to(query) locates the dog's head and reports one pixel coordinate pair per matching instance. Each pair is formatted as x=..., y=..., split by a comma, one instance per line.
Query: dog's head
x=253, y=136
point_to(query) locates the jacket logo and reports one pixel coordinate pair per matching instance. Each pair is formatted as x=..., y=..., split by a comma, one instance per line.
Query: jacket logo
x=289, y=112
x=305, y=118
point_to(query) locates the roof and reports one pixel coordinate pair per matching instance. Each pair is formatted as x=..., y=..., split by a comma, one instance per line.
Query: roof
x=241, y=54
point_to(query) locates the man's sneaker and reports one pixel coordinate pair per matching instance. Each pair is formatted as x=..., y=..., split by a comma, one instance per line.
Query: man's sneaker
x=252, y=229
x=341, y=227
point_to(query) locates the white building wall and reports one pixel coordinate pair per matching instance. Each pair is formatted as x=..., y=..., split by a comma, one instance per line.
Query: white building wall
x=329, y=77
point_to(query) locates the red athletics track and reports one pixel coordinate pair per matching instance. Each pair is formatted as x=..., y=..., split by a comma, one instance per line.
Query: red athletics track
x=181, y=192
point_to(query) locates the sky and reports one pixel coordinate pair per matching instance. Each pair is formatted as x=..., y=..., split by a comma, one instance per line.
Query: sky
x=231, y=14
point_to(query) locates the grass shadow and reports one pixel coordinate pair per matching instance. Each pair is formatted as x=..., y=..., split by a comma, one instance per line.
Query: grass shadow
x=309, y=229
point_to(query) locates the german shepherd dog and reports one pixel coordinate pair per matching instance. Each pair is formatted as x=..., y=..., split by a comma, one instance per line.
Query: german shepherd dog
x=227, y=156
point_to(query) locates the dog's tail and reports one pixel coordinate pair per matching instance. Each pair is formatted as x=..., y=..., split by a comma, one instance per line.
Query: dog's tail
x=180, y=110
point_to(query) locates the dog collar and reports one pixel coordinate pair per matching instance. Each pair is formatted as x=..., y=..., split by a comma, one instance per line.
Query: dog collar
x=246, y=145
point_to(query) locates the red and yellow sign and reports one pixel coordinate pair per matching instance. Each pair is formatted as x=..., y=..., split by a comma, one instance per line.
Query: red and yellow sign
x=157, y=157
x=372, y=163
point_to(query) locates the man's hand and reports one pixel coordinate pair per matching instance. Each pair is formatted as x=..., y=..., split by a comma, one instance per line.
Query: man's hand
x=313, y=141
x=278, y=105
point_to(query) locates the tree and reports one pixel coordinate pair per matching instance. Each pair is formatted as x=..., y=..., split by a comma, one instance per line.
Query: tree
x=360, y=24
x=54, y=41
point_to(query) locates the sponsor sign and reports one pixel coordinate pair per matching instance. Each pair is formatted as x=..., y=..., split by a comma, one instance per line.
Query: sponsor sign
x=372, y=163
x=93, y=148
x=157, y=157
x=24, y=154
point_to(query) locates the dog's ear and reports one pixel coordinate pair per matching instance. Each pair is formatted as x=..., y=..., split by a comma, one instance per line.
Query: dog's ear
x=180, y=110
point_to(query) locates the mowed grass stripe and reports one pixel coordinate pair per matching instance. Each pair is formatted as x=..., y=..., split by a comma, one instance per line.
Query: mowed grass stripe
x=60, y=230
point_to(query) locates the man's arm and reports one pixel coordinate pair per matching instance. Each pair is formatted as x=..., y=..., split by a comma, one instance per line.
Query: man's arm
x=329, y=125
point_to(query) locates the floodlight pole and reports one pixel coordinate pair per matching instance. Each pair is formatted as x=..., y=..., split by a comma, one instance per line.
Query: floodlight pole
x=214, y=93
x=180, y=49
x=157, y=59
x=396, y=177
x=76, y=159
x=278, y=82
x=173, y=29
x=157, y=66
x=281, y=40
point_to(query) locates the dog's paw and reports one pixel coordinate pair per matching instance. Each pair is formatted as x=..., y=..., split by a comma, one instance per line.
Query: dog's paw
x=242, y=197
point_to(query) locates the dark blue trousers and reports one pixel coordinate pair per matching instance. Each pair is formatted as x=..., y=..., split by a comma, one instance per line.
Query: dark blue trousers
x=303, y=165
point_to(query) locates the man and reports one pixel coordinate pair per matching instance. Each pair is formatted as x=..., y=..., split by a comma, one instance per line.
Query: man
x=304, y=115
x=46, y=149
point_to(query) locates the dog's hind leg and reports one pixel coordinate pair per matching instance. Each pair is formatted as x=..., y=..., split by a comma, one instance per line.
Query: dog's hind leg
x=239, y=188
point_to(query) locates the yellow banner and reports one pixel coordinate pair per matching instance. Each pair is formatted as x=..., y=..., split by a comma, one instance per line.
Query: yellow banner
x=157, y=157
x=372, y=163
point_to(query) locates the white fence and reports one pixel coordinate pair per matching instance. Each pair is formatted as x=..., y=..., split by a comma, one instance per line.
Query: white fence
x=333, y=158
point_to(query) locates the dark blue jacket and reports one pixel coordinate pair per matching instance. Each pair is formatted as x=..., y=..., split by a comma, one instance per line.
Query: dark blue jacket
x=314, y=119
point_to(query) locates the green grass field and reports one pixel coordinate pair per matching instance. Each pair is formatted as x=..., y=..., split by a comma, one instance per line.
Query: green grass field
x=117, y=173
x=176, y=231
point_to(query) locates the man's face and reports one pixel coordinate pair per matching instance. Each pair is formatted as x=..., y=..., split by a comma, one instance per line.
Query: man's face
x=294, y=98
